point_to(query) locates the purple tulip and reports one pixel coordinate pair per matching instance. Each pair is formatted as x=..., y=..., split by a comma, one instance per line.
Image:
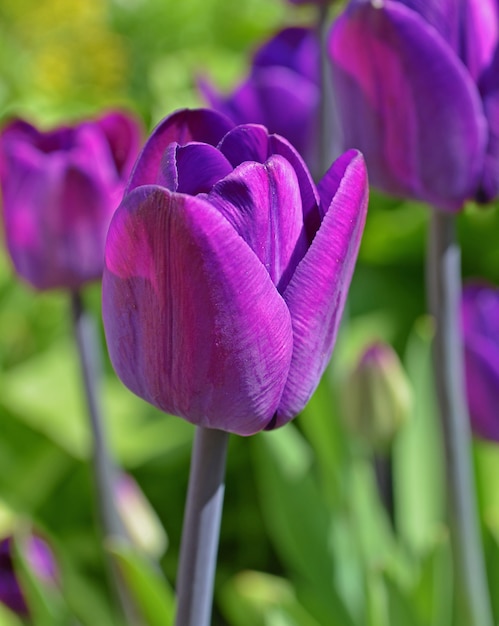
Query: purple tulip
x=227, y=270
x=60, y=189
x=38, y=558
x=281, y=92
x=480, y=323
x=417, y=85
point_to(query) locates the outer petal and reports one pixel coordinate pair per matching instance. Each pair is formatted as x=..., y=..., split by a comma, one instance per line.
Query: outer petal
x=123, y=134
x=480, y=35
x=408, y=103
x=181, y=127
x=193, y=322
x=480, y=324
x=489, y=88
x=263, y=204
x=317, y=292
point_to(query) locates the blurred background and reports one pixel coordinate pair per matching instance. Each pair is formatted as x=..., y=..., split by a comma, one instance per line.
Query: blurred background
x=306, y=540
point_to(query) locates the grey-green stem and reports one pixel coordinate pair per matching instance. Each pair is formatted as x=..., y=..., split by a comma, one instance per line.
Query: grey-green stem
x=444, y=291
x=105, y=471
x=201, y=529
x=324, y=111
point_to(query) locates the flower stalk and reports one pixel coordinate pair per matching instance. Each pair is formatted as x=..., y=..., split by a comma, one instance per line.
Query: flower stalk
x=105, y=472
x=201, y=529
x=324, y=106
x=444, y=287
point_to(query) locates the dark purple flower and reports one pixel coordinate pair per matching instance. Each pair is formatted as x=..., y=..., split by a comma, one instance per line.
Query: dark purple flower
x=480, y=323
x=227, y=270
x=281, y=91
x=38, y=557
x=60, y=189
x=417, y=84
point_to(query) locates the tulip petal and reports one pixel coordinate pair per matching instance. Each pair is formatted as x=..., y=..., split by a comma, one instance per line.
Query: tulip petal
x=251, y=142
x=443, y=15
x=123, y=136
x=489, y=88
x=482, y=376
x=295, y=48
x=262, y=202
x=181, y=127
x=193, y=168
x=193, y=322
x=408, y=104
x=480, y=35
x=317, y=292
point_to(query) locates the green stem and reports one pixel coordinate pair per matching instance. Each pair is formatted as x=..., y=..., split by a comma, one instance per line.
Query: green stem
x=444, y=285
x=201, y=530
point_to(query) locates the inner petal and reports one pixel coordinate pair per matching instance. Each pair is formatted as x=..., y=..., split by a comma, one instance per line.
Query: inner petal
x=263, y=204
x=193, y=168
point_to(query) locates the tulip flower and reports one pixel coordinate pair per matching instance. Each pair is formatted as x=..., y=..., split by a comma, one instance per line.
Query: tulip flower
x=480, y=324
x=226, y=272
x=38, y=557
x=417, y=87
x=60, y=189
x=281, y=91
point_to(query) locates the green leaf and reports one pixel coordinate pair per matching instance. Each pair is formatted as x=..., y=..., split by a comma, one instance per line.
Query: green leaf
x=298, y=520
x=149, y=590
x=417, y=452
x=257, y=599
x=434, y=592
x=400, y=610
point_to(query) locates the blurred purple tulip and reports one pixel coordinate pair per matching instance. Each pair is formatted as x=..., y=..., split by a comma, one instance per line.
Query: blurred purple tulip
x=38, y=557
x=60, y=189
x=227, y=270
x=480, y=323
x=281, y=91
x=417, y=85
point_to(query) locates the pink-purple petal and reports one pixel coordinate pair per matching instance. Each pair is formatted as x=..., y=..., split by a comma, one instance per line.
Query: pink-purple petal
x=408, y=103
x=317, y=292
x=193, y=322
x=181, y=127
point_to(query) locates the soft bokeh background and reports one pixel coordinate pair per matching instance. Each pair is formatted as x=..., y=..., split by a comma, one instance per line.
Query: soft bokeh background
x=305, y=540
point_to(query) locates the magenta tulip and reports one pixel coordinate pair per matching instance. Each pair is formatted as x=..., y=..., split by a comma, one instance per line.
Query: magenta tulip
x=60, y=189
x=227, y=270
x=417, y=87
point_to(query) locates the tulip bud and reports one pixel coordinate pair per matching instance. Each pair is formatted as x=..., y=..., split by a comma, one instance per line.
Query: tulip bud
x=377, y=397
x=38, y=557
x=139, y=518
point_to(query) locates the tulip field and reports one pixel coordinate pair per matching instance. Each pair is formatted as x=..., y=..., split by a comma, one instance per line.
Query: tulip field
x=249, y=313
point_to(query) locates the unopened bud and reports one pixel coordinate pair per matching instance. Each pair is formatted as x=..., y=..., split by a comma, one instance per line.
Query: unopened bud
x=377, y=398
x=139, y=518
x=37, y=556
